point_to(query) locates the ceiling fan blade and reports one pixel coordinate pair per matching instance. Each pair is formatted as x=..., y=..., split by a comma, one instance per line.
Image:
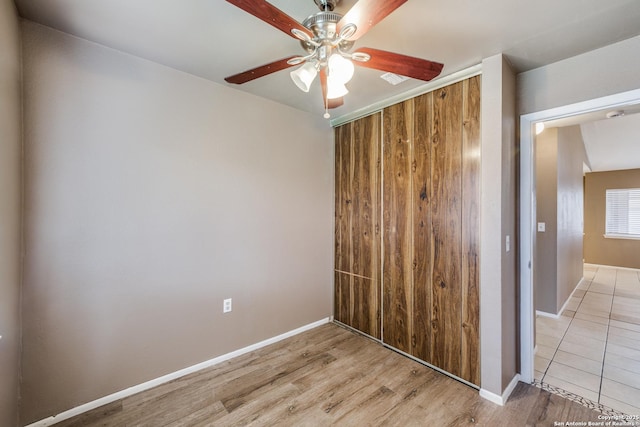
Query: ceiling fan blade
x=270, y=14
x=367, y=13
x=403, y=65
x=261, y=71
x=328, y=103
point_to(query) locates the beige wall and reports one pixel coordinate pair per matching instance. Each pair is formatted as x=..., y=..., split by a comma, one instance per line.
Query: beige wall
x=597, y=249
x=498, y=288
x=10, y=207
x=570, y=221
x=560, y=156
x=151, y=195
x=545, y=268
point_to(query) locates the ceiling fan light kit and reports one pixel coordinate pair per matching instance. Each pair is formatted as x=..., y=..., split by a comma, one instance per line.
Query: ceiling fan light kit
x=335, y=89
x=328, y=38
x=304, y=76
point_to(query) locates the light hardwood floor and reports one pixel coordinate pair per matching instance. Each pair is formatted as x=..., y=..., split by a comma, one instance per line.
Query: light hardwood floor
x=328, y=376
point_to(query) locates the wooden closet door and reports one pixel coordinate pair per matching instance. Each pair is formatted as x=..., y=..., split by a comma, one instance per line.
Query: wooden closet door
x=427, y=221
x=357, y=252
x=430, y=239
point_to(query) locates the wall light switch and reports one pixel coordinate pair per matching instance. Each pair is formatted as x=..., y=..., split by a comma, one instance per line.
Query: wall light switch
x=541, y=227
x=507, y=243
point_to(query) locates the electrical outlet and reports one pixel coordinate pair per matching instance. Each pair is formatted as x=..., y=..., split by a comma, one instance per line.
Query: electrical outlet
x=226, y=305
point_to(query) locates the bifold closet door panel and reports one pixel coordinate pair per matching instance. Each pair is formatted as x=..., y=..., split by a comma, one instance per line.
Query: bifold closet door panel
x=421, y=217
x=470, y=369
x=357, y=227
x=396, y=237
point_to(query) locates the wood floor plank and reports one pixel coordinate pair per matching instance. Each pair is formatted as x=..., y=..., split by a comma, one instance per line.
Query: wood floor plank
x=205, y=416
x=93, y=416
x=234, y=395
x=327, y=376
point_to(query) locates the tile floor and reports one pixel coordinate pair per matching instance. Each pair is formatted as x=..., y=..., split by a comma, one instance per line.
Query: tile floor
x=593, y=349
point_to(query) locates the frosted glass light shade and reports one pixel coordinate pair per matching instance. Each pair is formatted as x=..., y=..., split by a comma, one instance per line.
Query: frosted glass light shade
x=335, y=89
x=340, y=68
x=303, y=76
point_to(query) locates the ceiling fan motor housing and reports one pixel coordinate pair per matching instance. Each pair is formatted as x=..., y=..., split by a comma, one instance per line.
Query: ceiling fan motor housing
x=323, y=25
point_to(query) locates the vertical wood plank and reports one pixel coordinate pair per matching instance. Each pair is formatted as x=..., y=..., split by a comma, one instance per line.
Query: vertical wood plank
x=421, y=217
x=470, y=369
x=343, y=300
x=397, y=237
x=366, y=192
x=365, y=310
x=343, y=197
x=446, y=221
x=342, y=261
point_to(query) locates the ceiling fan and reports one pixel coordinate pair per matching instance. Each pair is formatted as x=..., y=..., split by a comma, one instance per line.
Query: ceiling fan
x=328, y=37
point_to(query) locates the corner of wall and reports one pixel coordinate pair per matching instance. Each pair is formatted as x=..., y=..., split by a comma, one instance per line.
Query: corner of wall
x=11, y=195
x=499, y=334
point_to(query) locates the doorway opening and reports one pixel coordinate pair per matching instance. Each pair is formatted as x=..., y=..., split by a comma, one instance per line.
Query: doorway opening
x=528, y=204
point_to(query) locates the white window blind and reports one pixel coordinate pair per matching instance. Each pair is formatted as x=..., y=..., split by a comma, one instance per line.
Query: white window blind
x=623, y=213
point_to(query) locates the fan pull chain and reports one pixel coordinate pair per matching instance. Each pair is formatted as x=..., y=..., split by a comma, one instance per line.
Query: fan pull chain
x=326, y=106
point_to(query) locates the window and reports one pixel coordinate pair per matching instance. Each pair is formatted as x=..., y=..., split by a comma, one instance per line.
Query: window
x=623, y=213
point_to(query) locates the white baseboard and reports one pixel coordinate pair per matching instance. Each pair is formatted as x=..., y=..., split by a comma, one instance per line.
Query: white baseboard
x=170, y=377
x=564, y=306
x=545, y=314
x=497, y=399
x=611, y=266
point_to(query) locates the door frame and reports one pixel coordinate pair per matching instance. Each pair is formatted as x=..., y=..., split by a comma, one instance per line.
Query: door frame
x=528, y=210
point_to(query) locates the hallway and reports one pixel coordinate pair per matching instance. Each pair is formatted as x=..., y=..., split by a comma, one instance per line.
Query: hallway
x=593, y=349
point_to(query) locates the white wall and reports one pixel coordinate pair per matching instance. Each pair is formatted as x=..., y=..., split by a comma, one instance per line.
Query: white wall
x=151, y=195
x=601, y=72
x=10, y=207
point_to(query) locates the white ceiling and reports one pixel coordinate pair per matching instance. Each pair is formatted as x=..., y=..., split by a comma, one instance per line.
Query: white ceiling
x=610, y=143
x=214, y=39
x=613, y=144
